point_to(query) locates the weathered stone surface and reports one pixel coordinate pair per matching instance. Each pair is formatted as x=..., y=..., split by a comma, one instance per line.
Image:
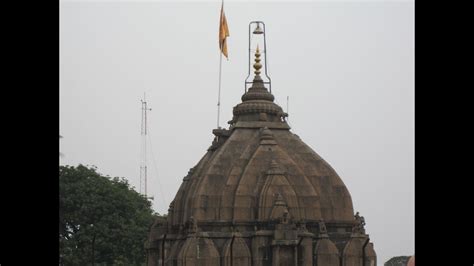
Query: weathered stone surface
x=198, y=251
x=236, y=252
x=326, y=253
x=260, y=196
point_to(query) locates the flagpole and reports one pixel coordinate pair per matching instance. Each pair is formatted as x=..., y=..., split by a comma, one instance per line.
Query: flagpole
x=219, y=93
x=225, y=32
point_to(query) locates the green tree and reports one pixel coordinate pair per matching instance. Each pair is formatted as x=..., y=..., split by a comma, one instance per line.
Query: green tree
x=101, y=219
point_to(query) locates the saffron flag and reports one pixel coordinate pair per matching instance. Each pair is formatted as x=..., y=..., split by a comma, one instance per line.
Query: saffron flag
x=223, y=33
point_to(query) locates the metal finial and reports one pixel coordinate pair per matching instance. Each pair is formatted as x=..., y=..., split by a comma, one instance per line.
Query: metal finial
x=257, y=64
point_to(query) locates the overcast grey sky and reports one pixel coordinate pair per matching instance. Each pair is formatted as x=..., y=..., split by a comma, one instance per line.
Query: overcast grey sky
x=347, y=66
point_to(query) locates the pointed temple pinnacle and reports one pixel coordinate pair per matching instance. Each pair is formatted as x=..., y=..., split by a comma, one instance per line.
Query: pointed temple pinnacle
x=257, y=64
x=258, y=91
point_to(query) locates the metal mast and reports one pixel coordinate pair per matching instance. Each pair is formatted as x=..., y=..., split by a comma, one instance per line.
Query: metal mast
x=143, y=162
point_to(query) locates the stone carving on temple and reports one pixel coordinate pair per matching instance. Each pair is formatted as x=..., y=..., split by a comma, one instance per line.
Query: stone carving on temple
x=261, y=196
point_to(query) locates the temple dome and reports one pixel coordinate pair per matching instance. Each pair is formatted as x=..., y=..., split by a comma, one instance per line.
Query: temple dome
x=227, y=182
x=252, y=162
x=260, y=196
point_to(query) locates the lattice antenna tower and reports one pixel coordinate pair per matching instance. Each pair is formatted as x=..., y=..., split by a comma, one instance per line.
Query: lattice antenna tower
x=143, y=159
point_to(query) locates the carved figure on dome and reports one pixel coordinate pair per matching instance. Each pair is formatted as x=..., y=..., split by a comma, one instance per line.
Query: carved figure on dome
x=191, y=225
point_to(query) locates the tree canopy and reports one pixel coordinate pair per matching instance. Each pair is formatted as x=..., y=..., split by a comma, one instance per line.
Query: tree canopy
x=101, y=219
x=397, y=261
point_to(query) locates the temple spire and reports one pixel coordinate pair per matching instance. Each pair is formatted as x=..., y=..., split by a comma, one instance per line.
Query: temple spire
x=257, y=91
x=257, y=64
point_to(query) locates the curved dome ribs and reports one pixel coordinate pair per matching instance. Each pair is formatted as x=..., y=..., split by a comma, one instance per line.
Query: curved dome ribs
x=228, y=202
x=252, y=196
x=335, y=200
x=208, y=195
x=260, y=196
x=236, y=252
x=228, y=183
x=198, y=251
x=326, y=253
x=190, y=196
x=180, y=200
x=192, y=181
x=245, y=196
x=276, y=193
x=307, y=195
x=174, y=250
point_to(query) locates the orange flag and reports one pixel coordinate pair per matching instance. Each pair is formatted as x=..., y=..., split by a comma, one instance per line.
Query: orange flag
x=223, y=33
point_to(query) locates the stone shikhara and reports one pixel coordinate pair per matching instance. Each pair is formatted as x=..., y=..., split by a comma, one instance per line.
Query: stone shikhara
x=260, y=196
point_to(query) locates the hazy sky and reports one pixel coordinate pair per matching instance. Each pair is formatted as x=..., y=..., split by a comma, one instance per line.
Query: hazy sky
x=347, y=66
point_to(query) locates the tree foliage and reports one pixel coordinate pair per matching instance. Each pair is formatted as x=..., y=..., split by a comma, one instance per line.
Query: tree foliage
x=101, y=220
x=397, y=261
